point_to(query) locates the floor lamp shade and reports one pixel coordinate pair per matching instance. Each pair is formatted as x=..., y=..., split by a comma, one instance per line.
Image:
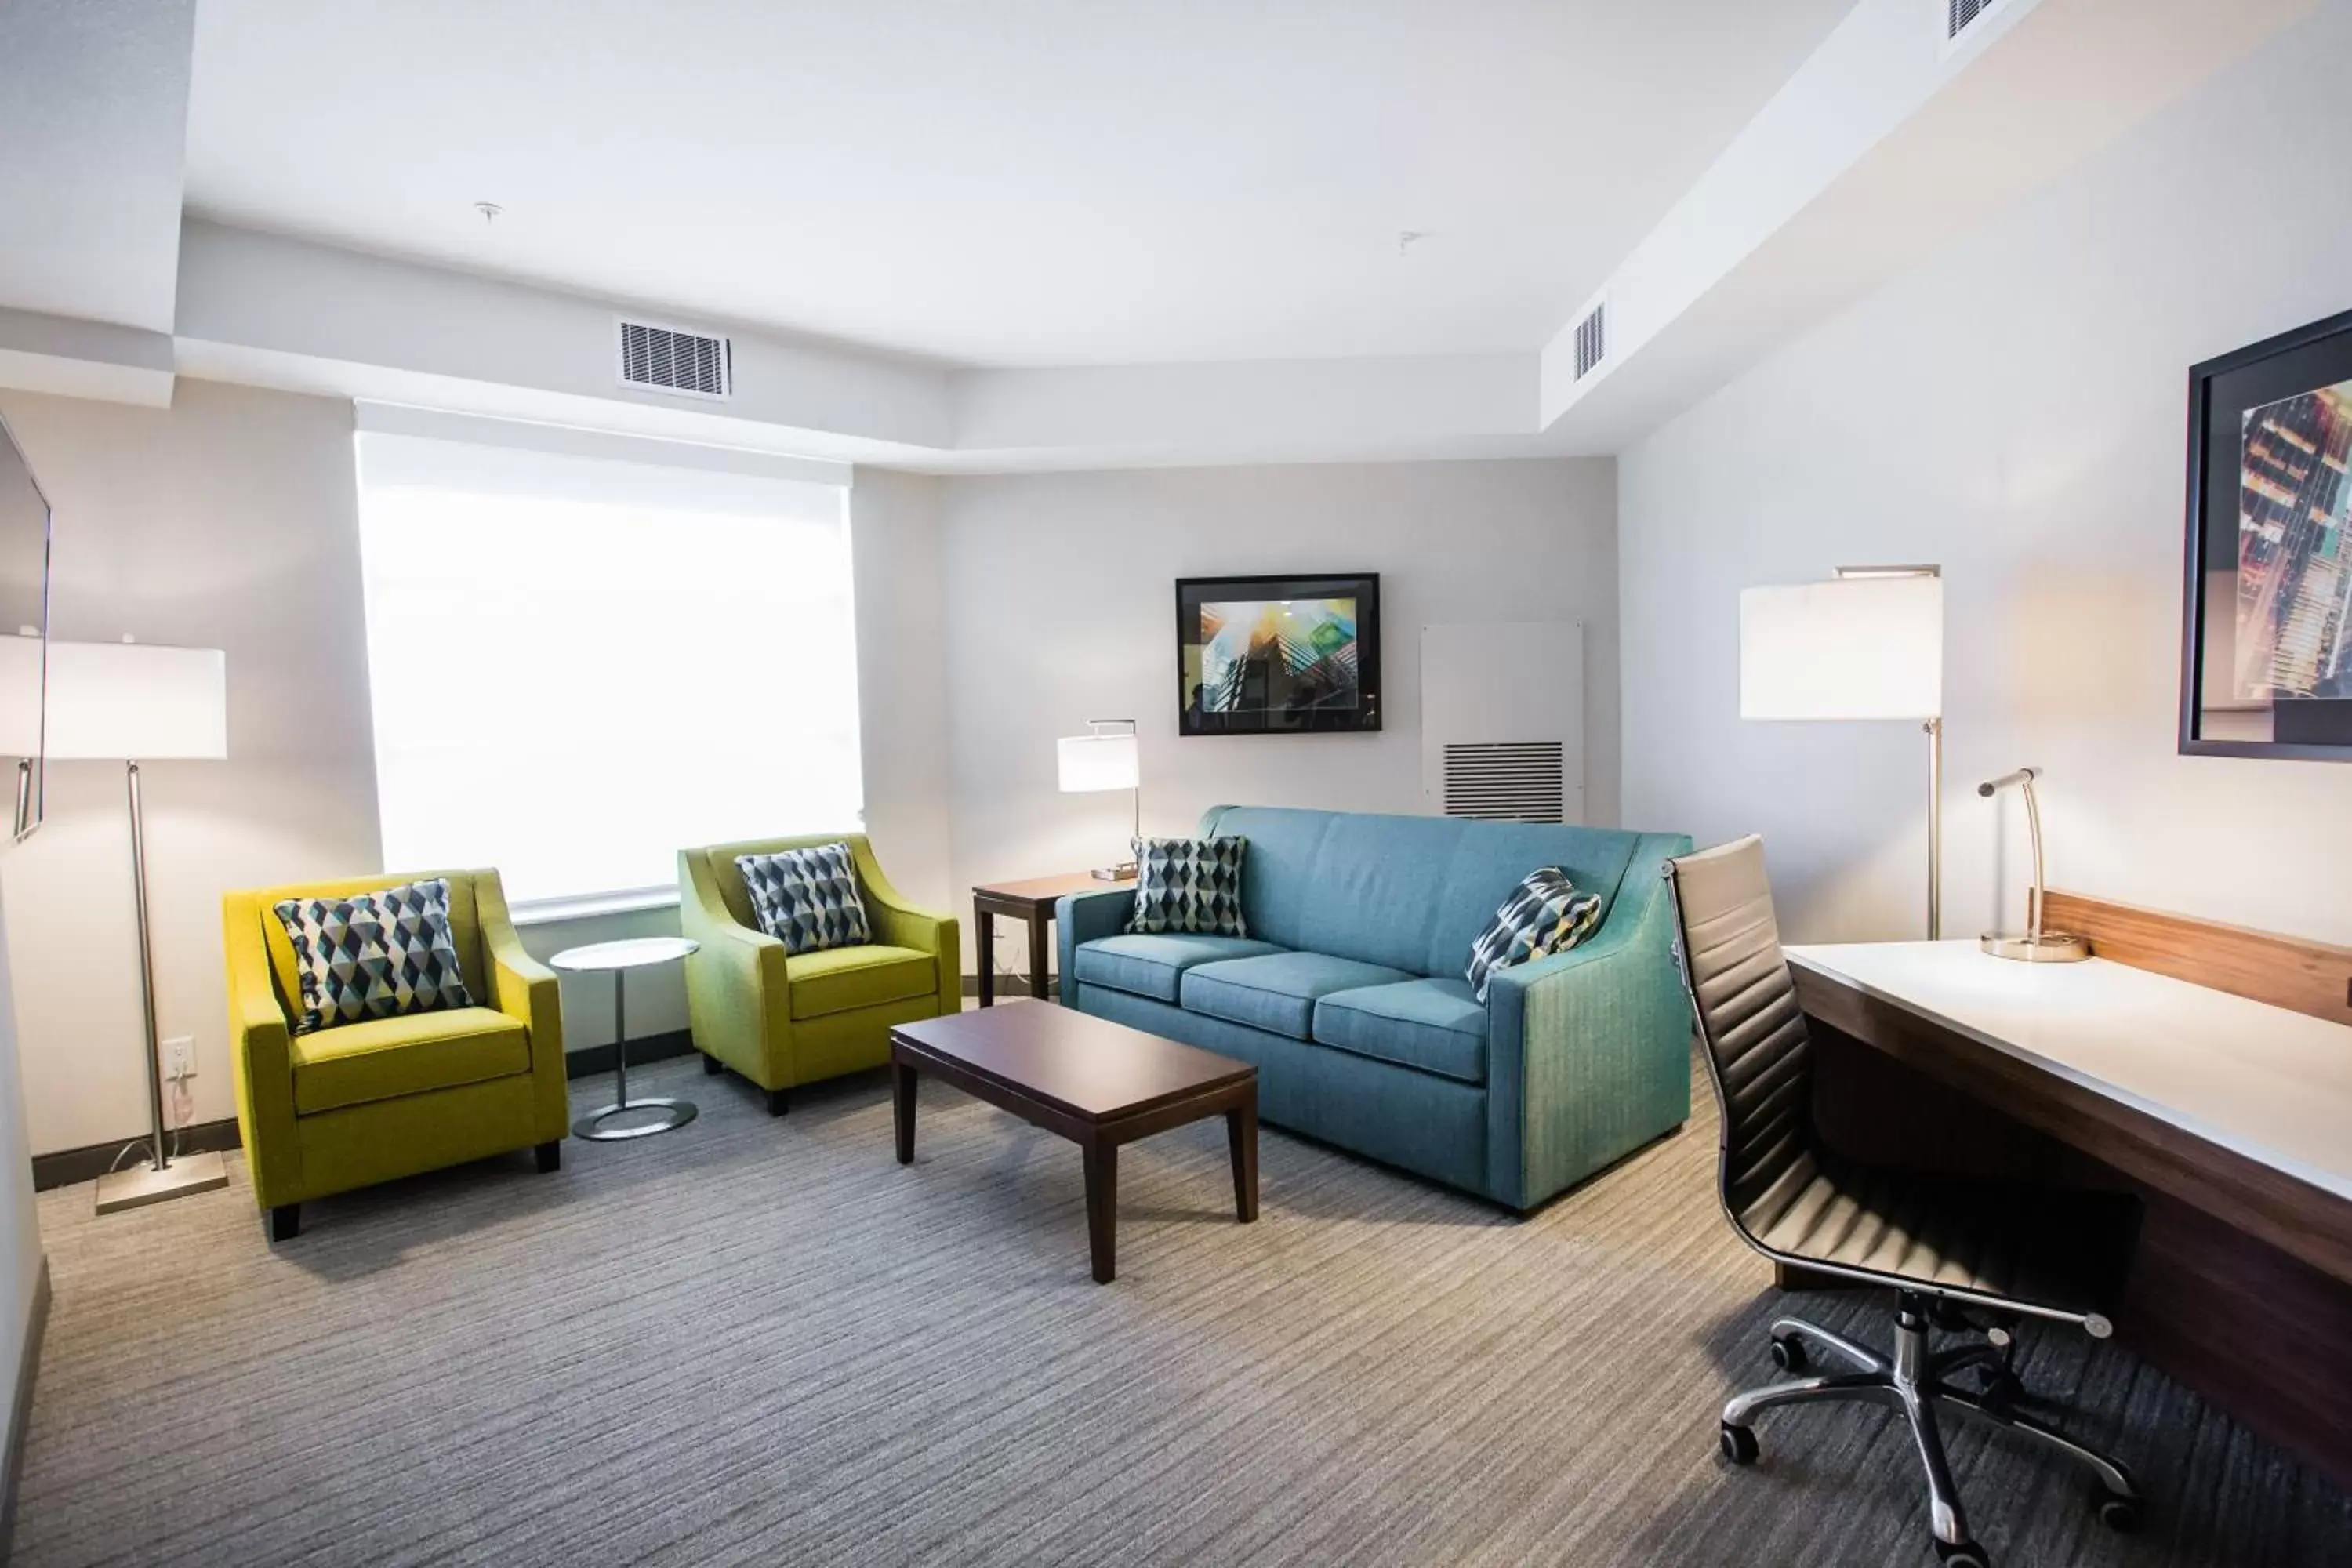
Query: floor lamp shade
x=137, y=702
x=1091, y=763
x=1858, y=647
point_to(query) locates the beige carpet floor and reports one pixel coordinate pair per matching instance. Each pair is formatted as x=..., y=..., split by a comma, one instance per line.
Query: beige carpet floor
x=764, y=1341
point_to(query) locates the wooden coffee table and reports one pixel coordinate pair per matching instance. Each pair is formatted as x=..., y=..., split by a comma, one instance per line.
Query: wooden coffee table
x=1096, y=1083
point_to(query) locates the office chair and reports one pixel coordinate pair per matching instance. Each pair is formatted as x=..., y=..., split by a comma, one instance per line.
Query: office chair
x=1961, y=1255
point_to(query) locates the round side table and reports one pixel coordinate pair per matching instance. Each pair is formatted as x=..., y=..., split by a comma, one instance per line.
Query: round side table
x=619, y=958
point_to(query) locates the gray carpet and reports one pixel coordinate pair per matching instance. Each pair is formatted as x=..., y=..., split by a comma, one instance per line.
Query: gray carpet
x=756, y=1340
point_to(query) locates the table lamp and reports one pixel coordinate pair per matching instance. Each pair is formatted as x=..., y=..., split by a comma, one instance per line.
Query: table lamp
x=130, y=702
x=1104, y=759
x=2035, y=945
x=1867, y=645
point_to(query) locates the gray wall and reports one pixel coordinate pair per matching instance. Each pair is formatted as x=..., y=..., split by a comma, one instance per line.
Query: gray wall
x=2015, y=410
x=1062, y=609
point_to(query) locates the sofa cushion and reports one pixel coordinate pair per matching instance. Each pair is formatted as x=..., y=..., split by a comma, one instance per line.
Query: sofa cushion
x=1187, y=885
x=837, y=979
x=1545, y=914
x=1278, y=991
x=384, y=1058
x=1434, y=1025
x=1152, y=965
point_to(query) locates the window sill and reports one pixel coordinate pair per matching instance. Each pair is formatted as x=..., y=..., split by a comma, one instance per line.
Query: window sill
x=587, y=906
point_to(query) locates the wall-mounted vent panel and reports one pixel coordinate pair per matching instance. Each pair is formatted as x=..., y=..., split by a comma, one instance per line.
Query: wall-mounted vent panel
x=1960, y=16
x=1501, y=721
x=1591, y=340
x=1506, y=781
x=664, y=359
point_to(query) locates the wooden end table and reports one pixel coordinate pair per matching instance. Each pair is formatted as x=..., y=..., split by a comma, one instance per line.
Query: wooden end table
x=1031, y=903
x=1096, y=1083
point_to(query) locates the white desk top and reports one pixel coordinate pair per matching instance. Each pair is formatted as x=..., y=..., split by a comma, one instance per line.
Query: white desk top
x=2272, y=1085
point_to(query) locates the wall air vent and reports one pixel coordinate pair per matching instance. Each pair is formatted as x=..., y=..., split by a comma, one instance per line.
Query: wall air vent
x=1506, y=781
x=664, y=359
x=1592, y=339
x=1960, y=16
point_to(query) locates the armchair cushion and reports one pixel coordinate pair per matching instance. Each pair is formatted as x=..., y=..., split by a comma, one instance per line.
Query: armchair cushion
x=385, y=954
x=1152, y=965
x=839, y=978
x=384, y=1059
x=807, y=899
x=1278, y=992
x=1435, y=1025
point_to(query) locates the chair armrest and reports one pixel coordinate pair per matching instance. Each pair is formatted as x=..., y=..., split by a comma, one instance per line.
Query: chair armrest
x=261, y=1058
x=1082, y=917
x=1589, y=1050
x=528, y=991
x=737, y=1002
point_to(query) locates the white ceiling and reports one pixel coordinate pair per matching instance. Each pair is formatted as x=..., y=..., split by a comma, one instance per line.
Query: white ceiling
x=1001, y=182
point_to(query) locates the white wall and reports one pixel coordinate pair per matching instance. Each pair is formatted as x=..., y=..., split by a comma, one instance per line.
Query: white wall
x=1061, y=607
x=902, y=678
x=20, y=1231
x=2013, y=409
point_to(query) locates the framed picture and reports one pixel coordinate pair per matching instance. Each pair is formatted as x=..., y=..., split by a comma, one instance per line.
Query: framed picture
x=1278, y=655
x=2266, y=641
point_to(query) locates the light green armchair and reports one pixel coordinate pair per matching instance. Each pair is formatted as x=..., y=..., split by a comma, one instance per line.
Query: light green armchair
x=783, y=1021
x=361, y=1103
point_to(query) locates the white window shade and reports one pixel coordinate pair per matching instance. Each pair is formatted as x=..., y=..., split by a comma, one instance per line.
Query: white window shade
x=1859, y=648
x=580, y=666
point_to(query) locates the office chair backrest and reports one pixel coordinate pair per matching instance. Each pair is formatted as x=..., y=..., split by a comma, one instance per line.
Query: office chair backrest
x=1757, y=1053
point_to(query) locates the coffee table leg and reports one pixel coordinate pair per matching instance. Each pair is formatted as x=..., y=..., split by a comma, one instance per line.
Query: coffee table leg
x=902, y=1108
x=1102, y=1209
x=1241, y=1135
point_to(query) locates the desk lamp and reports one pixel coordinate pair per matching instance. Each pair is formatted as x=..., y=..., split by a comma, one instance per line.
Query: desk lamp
x=2035, y=945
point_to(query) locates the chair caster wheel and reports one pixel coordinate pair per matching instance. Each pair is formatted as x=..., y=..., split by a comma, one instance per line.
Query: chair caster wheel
x=2116, y=1512
x=1789, y=1352
x=1739, y=1444
x=1961, y=1554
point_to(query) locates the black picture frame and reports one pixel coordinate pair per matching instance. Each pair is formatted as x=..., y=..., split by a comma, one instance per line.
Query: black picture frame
x=1279, y=701
x=2298, y=379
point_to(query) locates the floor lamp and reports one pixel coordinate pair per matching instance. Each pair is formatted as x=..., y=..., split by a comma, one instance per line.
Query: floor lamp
x=133, y=702
x=1867, y=646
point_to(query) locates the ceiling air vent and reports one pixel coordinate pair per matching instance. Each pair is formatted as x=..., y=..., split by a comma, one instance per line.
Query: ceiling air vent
x=1506, y=781
x=1592, y=336
x=664, y=359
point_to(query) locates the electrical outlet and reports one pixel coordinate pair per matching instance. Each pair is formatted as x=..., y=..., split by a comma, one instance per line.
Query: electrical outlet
x=180, y=1058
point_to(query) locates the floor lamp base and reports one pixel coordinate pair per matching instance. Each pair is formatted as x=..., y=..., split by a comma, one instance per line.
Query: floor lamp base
x=120, y=1190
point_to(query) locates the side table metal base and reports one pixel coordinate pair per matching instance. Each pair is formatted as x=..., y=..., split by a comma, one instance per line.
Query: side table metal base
x=679, y=1113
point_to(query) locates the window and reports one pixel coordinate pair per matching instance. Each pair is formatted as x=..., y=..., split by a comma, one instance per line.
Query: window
x=580, y=666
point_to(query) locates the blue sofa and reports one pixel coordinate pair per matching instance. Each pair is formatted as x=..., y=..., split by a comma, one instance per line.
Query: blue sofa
x=1347, y=994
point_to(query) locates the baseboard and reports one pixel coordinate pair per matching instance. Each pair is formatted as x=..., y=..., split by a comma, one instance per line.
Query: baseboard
x=1009, y=986
x=20, y=1414
x=590, y=1060
x=66, y=1166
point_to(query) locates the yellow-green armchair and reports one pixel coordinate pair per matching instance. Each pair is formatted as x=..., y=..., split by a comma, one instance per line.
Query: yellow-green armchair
x=783, y=1021
x=361, y=1103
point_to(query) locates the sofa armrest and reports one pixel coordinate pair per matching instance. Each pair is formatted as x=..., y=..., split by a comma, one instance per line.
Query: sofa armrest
x=1589, y=1050
x=261, y=1058
x=1083, y=918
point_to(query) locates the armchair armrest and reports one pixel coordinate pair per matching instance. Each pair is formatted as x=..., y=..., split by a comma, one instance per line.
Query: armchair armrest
x=737, y=1002
x=1082, y=917
x=528, y=991
x=1589, y=1050
x=899, y=922
x=261, y=1057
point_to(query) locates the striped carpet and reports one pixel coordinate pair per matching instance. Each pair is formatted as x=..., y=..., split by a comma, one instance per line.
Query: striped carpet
x=756, y=1341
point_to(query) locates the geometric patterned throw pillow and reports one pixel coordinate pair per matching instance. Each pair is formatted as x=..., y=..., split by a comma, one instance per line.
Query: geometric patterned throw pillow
x=373, y=955
x=1545, y=914
x=1189, y=885
x=807, y=899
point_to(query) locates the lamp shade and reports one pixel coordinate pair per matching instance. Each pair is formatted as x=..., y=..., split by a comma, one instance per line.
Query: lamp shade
x=1859, y=648
x=137, y=702
x=1091, y=762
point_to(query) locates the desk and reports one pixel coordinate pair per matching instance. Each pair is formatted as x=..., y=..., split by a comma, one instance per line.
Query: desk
x=2230, y=1118
x=1032, y=903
